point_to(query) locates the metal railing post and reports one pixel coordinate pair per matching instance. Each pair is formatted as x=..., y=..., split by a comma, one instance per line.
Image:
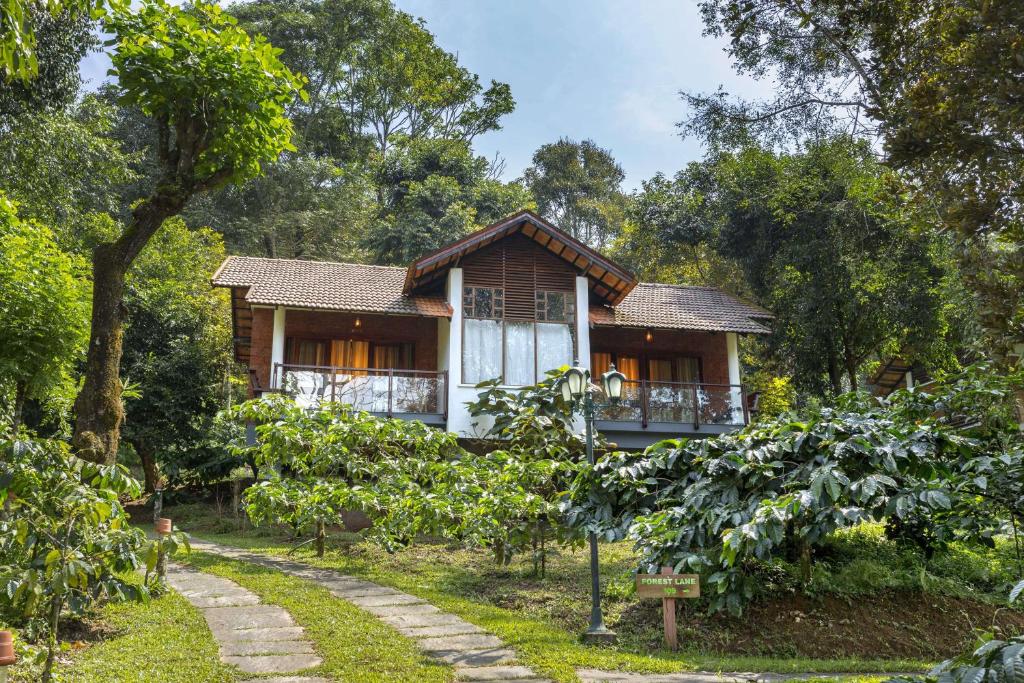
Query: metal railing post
x=391, y=389
x=444, y=407
x=696, y=407
x=644, y=403
x=746, y=408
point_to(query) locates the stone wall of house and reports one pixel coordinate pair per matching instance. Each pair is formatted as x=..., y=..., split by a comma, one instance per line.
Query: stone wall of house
x=709, y=347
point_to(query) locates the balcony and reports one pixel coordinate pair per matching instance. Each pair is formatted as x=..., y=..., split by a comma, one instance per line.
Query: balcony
x=672, y=409
x=407, y=394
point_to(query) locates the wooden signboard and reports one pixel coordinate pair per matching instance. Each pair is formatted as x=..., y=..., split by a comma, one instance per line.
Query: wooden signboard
x=669, y=587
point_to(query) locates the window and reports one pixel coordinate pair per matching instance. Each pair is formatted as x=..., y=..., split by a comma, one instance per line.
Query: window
x=555, y=307
x=483, y=302
x=518, y=352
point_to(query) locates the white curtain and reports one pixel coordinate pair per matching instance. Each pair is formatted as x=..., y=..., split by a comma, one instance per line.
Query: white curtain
x=481, y=350
x=554, y=346
x=519, y=354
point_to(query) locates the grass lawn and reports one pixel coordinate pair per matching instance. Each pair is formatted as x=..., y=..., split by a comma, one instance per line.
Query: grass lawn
x=354, y=645
x=166, y=640
x=542, y=618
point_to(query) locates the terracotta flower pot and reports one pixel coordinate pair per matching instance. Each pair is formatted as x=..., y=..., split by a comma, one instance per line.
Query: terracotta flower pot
x=7, y=657
x=163, y=526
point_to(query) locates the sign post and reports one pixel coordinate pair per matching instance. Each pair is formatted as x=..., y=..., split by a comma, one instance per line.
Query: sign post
x=669, y=587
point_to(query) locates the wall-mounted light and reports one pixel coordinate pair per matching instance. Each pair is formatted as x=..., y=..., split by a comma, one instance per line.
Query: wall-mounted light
x=649, y=336
x=359, y=323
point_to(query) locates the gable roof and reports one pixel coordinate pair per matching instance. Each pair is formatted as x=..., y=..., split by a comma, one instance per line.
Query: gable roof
x=608, y=280
x=325, y=285
x=682, y=307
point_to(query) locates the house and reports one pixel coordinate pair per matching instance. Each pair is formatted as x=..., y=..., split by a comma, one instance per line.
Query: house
x=509, y=301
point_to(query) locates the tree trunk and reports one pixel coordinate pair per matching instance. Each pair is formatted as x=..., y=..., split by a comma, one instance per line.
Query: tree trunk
x=56, y=603
x=321, y=537
x=151, y=473
x=98, y=409
x=835, y=375
x=20, y=391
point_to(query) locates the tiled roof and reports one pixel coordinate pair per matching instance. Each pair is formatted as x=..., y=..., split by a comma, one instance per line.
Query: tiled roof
x=329, y=286
x=682, y=307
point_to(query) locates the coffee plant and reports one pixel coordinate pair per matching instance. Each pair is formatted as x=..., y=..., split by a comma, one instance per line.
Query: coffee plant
x=724, y=506
x=65, y=541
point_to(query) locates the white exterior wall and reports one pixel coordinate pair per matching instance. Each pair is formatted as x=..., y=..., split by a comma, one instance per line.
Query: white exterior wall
x=733, y=349
x=459, y=394
x=277, y=344
x=583, y=322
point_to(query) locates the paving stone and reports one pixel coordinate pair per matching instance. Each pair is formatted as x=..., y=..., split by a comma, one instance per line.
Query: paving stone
x=402, y=610
x=289, y=679
x=204, y=601
x=382, y=600
x=498, y=655
x=453, y=629
x=421, y=620
x=273, y=664
x=362, y=590
x=279, y=633
x=471, y=641
x=238, y=618
x=239, y=648
x=494, y=673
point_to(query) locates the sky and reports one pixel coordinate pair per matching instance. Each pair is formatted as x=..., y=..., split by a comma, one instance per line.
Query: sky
x=607, y=70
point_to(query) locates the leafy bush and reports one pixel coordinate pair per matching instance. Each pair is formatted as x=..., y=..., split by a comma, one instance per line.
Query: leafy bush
x=411, y=479
x=520, y=485
x=324, y=461
x=783, y=487
x=992, y=661
x=65, y=542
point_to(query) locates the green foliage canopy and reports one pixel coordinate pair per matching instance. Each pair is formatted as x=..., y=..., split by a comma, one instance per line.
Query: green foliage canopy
x=725, y=506
x=44, y=311
x=177, y=350
x=577, y=185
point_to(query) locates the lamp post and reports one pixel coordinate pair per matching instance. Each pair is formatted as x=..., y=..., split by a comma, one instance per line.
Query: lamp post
x=574, y=386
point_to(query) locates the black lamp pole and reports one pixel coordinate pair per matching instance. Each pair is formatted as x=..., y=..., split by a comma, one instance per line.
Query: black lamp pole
x=597, y=632
x=577, y=392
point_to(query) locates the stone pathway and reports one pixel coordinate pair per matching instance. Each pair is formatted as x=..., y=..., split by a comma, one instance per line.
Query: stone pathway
x=257, y=638
x=475, y=654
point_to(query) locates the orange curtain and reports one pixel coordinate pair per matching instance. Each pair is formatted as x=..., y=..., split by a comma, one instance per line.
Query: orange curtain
x=599, y=364
x=630, y=367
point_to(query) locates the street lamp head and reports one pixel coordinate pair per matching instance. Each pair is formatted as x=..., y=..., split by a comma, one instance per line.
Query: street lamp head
x=612, y=382
x=563, y=388
x=576, y=378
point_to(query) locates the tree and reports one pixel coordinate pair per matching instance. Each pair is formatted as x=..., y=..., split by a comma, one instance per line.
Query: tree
x=177, y=351
x=64, y=167
x=577, y=187
x=375, y=75
x=301, y=207
x=822, y=240
x=62, y=39
x=217, y=98
x=937, y=82
x=44, y=311
x=431, y=192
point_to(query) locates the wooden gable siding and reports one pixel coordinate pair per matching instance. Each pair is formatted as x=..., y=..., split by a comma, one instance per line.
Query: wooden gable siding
x=521, y=267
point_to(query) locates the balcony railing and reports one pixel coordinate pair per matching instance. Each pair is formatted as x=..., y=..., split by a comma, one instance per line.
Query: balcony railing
x=678, y=403
x=383, y=391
